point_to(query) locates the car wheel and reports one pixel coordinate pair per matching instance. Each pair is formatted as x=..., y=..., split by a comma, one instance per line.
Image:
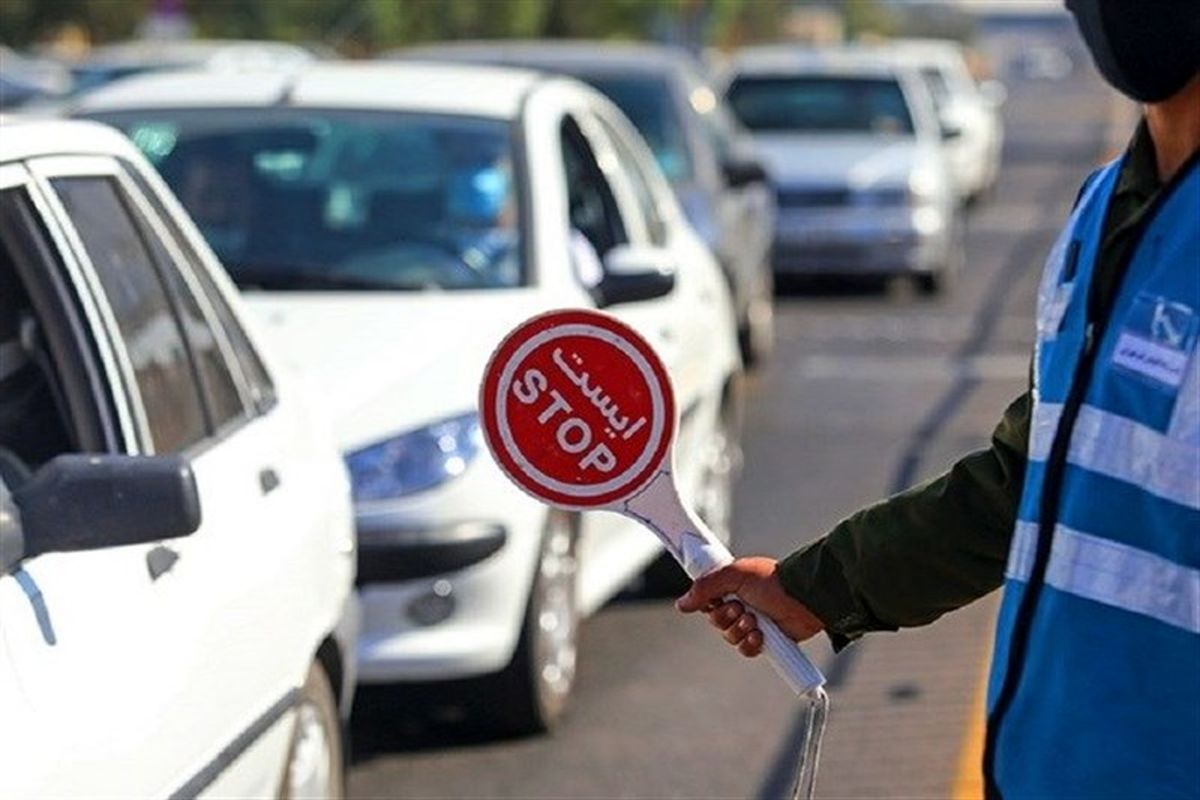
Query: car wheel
x=315, y=767
x=756, y=331
x=531, y=693
x=713, y=504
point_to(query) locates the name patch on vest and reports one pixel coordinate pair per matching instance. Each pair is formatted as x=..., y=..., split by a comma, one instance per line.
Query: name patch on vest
x=1157, y=340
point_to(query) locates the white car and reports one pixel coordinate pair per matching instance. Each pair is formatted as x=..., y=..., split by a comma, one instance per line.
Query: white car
x=177, y=615
x=972, y=129
x=390, y=223
x=852, y=145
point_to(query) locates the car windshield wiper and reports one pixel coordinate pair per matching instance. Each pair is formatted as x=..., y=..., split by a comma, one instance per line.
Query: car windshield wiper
x=289, y=279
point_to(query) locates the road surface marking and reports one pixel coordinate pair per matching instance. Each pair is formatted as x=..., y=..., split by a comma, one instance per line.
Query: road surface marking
x=968, y=781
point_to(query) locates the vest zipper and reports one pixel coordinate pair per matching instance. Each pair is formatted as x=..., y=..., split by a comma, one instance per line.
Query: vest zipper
x=1056, y=463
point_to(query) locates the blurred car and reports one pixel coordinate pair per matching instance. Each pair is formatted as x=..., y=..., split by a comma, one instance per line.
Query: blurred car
x=26, y=80
x=124, y=59
x=390, y=223
x=1043, y=61
x=708, y=158
x=969, y=113
x=177, y=615
x=853, y=147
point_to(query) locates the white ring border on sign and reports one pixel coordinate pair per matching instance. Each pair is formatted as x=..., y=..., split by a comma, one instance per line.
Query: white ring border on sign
x=657, y=403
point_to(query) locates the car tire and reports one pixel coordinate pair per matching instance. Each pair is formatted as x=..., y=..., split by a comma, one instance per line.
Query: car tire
x=531, y=694
x=756, y=330
x=315, y=765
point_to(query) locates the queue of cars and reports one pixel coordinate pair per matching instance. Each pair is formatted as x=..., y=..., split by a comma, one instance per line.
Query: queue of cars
x=384, y=224
x=389, y=224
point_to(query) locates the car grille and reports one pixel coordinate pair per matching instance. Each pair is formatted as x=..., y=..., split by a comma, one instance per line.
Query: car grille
x=831, y=197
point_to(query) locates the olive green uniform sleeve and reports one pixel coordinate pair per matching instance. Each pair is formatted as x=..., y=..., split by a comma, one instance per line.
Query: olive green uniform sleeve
x=934, y=548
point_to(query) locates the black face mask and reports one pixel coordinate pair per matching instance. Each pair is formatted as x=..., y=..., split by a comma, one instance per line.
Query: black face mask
x=1147, y=49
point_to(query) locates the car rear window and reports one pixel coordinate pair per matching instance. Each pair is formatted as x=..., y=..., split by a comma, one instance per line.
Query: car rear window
x=819, y=104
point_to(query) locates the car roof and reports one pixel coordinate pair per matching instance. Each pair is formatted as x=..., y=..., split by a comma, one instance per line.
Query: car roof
x=189, y=51
x=798, y=59
x=932, y=52
x=567, y=56
x=29, y=137
x=409, y=86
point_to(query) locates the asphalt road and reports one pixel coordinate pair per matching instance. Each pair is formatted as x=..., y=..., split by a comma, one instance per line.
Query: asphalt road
x=868, y=391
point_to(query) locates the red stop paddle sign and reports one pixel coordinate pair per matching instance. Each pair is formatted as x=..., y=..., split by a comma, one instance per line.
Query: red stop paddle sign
x=578, y=409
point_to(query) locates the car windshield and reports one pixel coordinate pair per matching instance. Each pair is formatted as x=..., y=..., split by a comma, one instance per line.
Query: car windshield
x=820, y=104
x=648, y=103
x=296, y=199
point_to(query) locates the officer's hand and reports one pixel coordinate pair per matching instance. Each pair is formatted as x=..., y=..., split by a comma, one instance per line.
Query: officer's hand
x=753, y=580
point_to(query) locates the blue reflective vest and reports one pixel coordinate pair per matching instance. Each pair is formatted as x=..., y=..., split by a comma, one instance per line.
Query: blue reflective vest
x=1095, y=684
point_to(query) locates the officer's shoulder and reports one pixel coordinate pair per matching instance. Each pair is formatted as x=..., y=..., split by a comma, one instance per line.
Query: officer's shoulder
x=1092, y=177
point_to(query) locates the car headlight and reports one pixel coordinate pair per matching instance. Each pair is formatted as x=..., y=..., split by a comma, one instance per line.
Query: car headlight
x=415, y=460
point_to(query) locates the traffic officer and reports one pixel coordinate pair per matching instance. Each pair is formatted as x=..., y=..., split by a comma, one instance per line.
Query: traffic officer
x=1087, y=504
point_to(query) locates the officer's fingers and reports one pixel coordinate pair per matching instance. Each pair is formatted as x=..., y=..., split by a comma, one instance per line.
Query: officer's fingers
x=725, y=614
x=710, y=587
x=738, y=631
x=752, y=645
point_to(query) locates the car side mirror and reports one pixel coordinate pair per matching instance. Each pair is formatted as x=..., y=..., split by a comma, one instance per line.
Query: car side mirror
x=994, y=92
x=741, y=172
x=633, y=273
x=88, y=502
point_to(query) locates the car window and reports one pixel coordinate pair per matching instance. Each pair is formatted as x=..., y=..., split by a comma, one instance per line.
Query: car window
x=939, y=87
x=254, y=374
x=297, y=199
x=643, y=192
x=650, y=105
x=162, y=364
x=592, y=206
x=821, y=104
x=217, y=381
x=34, y=421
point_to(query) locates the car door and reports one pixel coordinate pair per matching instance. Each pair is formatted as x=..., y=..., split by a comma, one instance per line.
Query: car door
x=290, y=567
x=235, y=656
x=693, y=312
x=86, y=679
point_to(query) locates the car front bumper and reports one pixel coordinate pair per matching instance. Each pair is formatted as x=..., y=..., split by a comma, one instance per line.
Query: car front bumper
x=444, y=578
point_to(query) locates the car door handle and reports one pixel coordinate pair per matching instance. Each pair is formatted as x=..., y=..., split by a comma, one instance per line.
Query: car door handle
x=160, y=560
x=268, y=480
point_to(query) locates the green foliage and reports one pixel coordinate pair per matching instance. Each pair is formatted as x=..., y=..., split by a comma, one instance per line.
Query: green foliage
x=363, y=26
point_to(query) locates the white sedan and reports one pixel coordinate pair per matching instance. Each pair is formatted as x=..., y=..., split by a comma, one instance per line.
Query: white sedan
x=389, y=223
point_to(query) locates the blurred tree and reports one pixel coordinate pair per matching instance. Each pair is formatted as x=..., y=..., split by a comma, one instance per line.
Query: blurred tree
x=364, y=26
x=867, y=18
x=23, y=22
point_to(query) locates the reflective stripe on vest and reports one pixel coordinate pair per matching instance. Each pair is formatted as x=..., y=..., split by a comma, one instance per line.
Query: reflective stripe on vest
x=1122, y=449
x=1111, y=573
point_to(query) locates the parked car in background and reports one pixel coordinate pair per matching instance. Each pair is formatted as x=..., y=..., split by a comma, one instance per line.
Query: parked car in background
x=176, y=543
x=969, y=112
x=389, y=223
x=24, y=79
x=707, y=157
x=124, y=59
x=853, y=147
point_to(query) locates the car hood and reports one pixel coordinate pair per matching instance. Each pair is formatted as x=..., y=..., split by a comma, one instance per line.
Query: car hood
x=382, y=364
x=855, y=161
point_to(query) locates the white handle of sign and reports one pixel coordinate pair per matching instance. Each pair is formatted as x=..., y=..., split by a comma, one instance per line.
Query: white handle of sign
x=700, y=552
